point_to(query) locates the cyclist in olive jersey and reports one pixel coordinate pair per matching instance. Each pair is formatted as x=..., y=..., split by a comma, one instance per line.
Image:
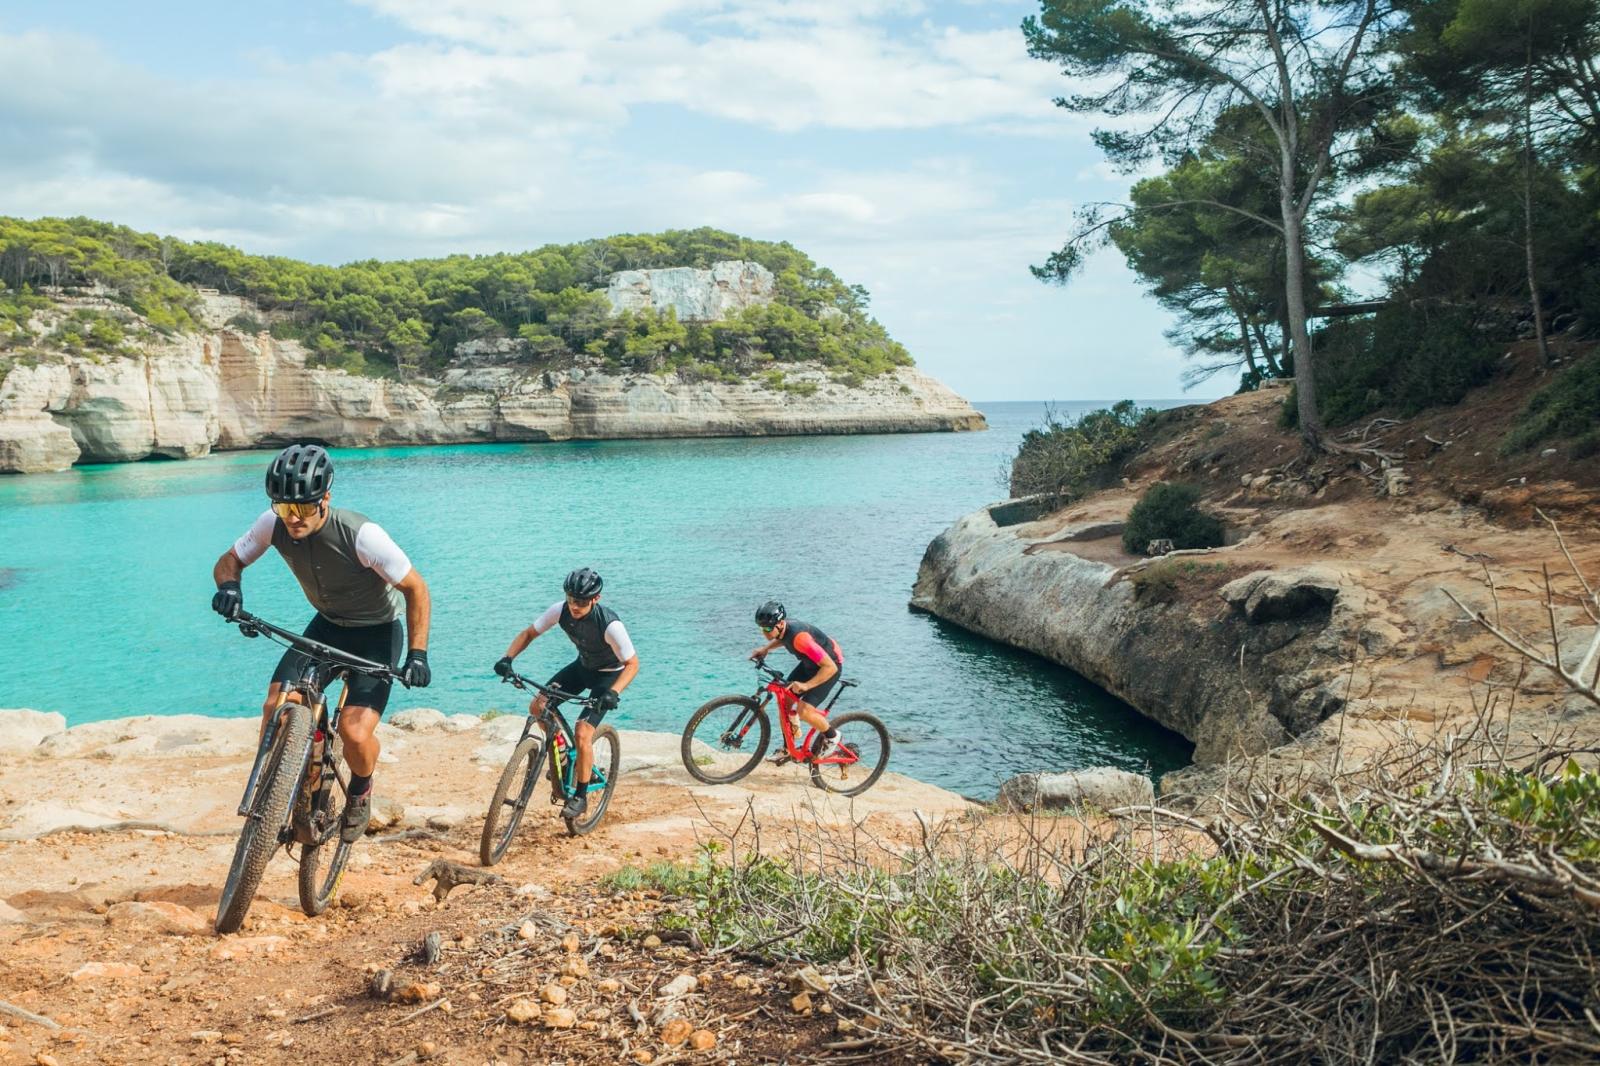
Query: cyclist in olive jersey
x=359, y=581
x=813, y=676
x=606, y=664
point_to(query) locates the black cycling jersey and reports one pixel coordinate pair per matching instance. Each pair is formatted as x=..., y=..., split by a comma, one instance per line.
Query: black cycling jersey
x=589, y=634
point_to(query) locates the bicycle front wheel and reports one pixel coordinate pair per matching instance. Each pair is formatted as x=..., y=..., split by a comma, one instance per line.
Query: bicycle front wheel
x=725, y=739
x=860, y=759
x=318, y=888
x=259, y=837
x=511, y=798
x=607, y=765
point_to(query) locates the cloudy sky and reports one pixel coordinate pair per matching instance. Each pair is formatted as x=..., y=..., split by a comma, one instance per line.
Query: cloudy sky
x=911, y=146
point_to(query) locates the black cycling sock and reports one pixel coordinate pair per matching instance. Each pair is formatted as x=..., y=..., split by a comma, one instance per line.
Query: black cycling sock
x=583, y=788
x=359, y=784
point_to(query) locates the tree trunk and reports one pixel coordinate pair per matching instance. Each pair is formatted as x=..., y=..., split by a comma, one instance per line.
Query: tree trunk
x=1244, y=335
x=1527, y=200
x=1266, y=350
x=1295, y=299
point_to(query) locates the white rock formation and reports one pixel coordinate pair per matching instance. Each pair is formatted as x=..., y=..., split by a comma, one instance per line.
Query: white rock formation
x=1105, y=787
x=22, y=730
x=696, y=295
x=229, y=390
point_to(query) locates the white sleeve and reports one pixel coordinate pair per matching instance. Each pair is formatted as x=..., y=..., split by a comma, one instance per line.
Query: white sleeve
x=617, y=637
x=377, y=551
x=257, y=539
x=551, y=616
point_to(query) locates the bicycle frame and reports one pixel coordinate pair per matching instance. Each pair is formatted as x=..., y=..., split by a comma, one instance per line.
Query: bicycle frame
x=800, y=750
x=563, y=755
x=327, y=665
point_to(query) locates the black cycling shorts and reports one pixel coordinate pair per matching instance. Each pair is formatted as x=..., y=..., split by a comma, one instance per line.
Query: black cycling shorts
x=380, y=643
x=578, y=679
x=805, y=670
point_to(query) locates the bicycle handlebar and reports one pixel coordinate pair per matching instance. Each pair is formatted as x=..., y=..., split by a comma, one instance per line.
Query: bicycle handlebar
x=763, y=668
x=251, y=626
x=518, y=680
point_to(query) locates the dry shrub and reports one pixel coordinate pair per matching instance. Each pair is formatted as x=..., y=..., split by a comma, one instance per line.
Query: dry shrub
x=1443, y=906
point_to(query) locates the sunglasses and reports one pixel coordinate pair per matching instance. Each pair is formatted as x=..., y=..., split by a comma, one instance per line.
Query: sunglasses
x=572, y=602
x=769, y=629
x=301, y=511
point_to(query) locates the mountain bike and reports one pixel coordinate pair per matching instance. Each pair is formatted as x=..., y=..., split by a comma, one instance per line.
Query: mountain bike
x=289, y=798
x=727, y=737
x=521, y=775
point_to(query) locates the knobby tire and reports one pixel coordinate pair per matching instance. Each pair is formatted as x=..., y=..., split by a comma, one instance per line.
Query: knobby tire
x=598, y=804
x=762, y=729
x=826, y=776
x=499, y=826
x=316, y=893
x=259, y=837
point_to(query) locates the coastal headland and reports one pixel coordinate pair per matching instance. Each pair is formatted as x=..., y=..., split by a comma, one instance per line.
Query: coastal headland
x=1324, y=627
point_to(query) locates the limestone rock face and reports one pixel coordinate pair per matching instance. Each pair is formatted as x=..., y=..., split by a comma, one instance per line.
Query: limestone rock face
x=230, y=390
x=1174, y=667
x=1272, y=595
x=22, y=730
x=31, y=442
x=696, y=295
x=1105, y=787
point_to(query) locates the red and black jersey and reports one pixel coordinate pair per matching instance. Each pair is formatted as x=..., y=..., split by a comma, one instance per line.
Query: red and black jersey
x=809, y=643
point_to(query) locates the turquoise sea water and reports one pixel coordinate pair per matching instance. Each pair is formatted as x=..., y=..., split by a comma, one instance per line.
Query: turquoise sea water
x=105, y=583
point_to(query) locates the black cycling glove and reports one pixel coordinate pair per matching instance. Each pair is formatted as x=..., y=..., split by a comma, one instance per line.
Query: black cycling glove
x=415, y=673
x=503, y=667
x=607, y=700
x=228, y=600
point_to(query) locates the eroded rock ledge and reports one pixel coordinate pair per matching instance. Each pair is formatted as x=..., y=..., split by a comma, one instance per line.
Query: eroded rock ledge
x=1323, y=628
x=227, y=390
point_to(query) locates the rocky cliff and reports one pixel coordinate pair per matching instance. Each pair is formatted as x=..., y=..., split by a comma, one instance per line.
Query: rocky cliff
x=1323, y=626
x=226, y=389
x=694, y=295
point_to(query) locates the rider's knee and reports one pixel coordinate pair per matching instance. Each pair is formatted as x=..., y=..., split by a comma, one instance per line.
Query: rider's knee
x=585, y=732
x=537, y=704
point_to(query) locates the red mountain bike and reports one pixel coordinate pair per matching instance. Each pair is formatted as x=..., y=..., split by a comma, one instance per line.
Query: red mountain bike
x=727, y=737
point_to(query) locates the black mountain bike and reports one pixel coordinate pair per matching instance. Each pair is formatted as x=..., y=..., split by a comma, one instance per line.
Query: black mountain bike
x=290, y=796
x=522, y=772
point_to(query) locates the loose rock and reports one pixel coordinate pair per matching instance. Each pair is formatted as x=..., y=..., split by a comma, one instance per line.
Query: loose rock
x=703, y=1040
x=676, y=1032
x=801, y=1003
x=553, y=994
x=157, y=916
x=560, y=1018
x=523, y=1011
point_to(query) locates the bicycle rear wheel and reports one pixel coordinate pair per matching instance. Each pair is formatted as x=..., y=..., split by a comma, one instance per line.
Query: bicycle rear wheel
x=861, y=758
x=725, y=739
x=259, y=837
x=607, y=765
x=511, y=796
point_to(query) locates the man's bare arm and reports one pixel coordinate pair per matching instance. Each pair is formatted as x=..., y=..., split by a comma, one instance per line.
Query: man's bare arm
x=418, y=609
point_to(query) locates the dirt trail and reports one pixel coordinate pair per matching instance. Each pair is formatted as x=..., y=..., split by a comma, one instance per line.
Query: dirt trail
x=108, y=933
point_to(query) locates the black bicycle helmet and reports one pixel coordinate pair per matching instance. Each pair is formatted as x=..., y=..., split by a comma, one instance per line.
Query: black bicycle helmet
x=302, y=473
x=770, y=613
x=582, y=584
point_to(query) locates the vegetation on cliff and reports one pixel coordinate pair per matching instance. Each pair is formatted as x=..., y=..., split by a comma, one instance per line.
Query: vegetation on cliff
x=539, y=308
x=1448, y=147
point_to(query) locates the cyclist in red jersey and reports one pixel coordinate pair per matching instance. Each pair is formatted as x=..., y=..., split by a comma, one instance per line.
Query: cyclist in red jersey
x=813, y=676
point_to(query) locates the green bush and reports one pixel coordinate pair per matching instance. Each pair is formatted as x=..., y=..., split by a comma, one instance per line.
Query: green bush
x=1065, y=459
x=1569, y=406
x=245, y=323
x=1171, y=512
x=1404, y=360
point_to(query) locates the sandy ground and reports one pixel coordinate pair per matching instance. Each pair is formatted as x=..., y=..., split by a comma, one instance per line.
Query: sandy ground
x=152, y=983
